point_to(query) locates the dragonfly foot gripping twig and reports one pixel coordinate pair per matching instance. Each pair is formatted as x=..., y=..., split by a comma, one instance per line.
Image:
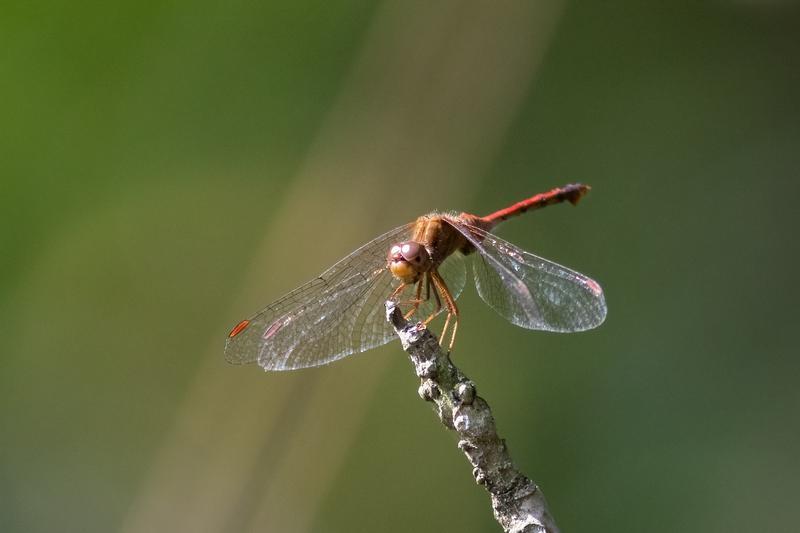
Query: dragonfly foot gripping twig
x=518, y=503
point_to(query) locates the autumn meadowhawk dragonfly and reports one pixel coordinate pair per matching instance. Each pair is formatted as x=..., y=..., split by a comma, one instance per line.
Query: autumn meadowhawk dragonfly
x=421, y=265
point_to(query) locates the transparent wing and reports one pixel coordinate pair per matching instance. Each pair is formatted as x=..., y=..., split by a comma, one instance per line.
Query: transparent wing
x=529, y=291
x=337, y=314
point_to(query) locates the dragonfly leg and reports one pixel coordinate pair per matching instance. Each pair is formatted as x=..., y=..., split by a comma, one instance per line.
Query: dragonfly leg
x=427, y=286
x=430, y=282
x=443, y=334
x=397, y=291
x=450, y=304
x=435, y=293
x=453, y=337
x=416, y=301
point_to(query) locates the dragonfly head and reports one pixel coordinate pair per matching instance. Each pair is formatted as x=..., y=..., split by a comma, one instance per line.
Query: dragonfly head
x=407, y=261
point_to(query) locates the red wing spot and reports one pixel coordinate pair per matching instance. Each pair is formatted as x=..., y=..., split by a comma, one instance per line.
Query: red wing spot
x=238, y=328
x=594, y=287
x=273, y=329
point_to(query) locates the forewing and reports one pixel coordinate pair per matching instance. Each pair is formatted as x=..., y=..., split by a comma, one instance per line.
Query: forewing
x=337, y=314
x=530, y=291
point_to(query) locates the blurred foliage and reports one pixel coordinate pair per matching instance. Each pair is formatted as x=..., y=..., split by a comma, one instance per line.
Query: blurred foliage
x=148, y=147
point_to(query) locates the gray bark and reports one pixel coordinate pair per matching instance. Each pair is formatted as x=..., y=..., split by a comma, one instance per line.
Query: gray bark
x=518, y=503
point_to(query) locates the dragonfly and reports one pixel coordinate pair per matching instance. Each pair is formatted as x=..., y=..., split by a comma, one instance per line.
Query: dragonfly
x=422, y=266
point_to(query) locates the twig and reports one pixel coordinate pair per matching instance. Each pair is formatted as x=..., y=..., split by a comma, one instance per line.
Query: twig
x=518, y=503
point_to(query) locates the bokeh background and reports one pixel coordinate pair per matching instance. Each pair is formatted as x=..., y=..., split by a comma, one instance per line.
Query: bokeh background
x=169, y=167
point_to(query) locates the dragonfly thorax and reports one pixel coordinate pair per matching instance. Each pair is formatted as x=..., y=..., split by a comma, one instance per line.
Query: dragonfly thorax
x=407, y=261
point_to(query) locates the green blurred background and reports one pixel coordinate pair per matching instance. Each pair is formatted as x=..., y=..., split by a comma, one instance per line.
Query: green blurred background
x=168, y=167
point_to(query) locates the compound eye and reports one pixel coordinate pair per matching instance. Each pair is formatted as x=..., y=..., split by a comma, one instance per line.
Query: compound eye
x=411, y=252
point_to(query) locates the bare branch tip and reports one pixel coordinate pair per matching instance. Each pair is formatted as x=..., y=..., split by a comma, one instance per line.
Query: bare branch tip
x=517, y=503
